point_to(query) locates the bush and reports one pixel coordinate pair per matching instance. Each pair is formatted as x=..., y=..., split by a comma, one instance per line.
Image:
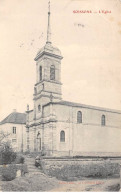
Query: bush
x=26, y=153
x=0, y=159
x=75, y=170
x=19, y=160
x=9, y=173
x=7, y=154
x=22, y=159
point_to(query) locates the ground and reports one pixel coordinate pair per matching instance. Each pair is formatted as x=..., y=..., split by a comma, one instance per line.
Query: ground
x=35, y=180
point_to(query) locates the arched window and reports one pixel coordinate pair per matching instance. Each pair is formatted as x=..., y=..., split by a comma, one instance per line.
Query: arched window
x=79, y=117
x=52, y=72
x=103, y=120
x=40, y=73
x=39, y=108
x=62, y=136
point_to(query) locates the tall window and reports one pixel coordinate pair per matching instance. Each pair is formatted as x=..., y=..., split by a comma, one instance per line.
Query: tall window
x=52, y=72
x=40, y=73
x=39, y=108
x=103, y=120
x=62, y=136
x=79, y=117
x=42, y=86
x=14, y=130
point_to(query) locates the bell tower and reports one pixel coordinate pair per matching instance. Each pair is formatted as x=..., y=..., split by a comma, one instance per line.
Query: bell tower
x=48, y=73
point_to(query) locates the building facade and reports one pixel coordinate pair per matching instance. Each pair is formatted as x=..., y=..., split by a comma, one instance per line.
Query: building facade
x=61, y=128
x=13, y=127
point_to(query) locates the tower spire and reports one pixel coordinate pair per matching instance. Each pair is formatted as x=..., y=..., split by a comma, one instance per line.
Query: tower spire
x=48, y=28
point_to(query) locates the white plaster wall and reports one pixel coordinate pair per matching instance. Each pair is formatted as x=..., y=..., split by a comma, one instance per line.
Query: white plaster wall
x=20, y=135
x=89, y=136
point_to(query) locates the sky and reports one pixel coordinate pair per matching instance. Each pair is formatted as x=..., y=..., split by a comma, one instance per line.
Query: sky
x=89, y=42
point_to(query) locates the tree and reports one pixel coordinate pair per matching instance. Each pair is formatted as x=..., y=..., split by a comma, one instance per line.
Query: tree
x=3, y=137
x=7, y=155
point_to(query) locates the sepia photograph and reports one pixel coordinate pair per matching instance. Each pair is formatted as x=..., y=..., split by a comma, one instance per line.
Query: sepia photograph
x=60, y=95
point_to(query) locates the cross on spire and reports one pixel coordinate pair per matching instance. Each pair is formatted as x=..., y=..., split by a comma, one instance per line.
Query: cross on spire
x=48, y=28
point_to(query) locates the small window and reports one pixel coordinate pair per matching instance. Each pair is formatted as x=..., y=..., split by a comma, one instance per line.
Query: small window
x=62, y=136
x=52, y=72
x=42, y=86
x=103, y=120
x=14, y=140
x=14, y=130
x=40, y=73
x=79, y=117
x=39, y=108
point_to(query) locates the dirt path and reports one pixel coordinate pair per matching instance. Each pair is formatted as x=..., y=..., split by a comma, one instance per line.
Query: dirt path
x=95, y=185
x=35, y=180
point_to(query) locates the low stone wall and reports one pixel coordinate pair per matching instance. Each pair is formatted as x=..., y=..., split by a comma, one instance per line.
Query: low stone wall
x=83, y=154
x=75, y=169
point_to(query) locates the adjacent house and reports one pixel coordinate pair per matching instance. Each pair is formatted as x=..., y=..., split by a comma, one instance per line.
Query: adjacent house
x=14, y=125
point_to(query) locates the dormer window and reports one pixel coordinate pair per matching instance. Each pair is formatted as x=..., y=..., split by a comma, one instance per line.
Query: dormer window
x=52, y=72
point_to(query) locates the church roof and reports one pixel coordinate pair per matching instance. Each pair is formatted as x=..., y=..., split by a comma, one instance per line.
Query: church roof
x=15, y=117
x=73, y=104
x=48, y=49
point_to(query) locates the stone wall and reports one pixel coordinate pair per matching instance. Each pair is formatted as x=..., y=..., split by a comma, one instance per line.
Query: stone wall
x=75, y=169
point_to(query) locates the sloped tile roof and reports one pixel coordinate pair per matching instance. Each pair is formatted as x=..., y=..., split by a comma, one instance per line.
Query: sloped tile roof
x=15, y=117
x=73, y=104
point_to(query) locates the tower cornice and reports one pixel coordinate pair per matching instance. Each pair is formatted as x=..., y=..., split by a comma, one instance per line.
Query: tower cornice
x=39, y=55
x=50, y=81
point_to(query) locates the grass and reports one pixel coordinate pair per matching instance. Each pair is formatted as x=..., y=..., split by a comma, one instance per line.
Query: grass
x=114, y=188
x=32, y=182
x=39, y=182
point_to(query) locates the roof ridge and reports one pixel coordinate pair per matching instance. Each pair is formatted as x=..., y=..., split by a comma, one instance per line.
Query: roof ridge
x=91, y=106
x=6, y=117
x=15, y=117
x=85, y=105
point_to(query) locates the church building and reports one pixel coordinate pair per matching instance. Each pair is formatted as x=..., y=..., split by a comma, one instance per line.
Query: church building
x=62, y=128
